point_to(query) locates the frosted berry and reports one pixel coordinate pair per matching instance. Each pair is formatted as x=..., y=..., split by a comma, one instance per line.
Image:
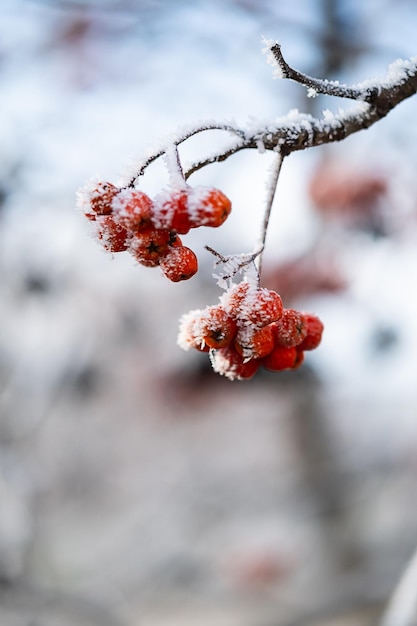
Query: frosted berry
x=228, y=362
x=261, y=307
x=255, y=343
x=111, y=235
x=314, y=332
x=182, y=209
x=171, y=211
x=253, y=306
x=101, y=197
x=150, y=246
x=290, y=329
x=133, y=210
x=189, y=335
x=216, y=328
x=208, y=207
x=180, y=263
x=234, y=297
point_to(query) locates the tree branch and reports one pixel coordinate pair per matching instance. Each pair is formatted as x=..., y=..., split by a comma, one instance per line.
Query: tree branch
x=296, y=131
x=329, y=88
x=179, y=139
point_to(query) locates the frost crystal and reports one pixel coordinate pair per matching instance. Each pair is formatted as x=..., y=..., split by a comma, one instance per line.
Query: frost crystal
x=270, y=58
x=176, y=176
x=86, y=193
x=187, y=336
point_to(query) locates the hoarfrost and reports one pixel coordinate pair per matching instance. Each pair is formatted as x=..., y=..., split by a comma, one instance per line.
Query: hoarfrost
x=270, y=58
x=85, y=194
x=397, y=72
x=233, y=265
x=186, y=335
x=223, y=365
x=175, y=173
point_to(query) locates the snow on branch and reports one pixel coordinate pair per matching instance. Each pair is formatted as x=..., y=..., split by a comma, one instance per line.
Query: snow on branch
x=375, y=98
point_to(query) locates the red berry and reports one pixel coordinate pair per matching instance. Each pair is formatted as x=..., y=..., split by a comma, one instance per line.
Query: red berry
x=233, y=298
x=228, y=362
x=290, y=329
x=180, y=263
x=281, y=358
x=215, y=327
x=182, y=209
x=189, y=335
x=101, y=197
x=255, y=343
x=112, y=236
x=252, y=306
x=133, y=209
x=314, y=332
x=171, y=211
x=300, y=358
x=208, y=207
x=150, y=246
x=261, y=307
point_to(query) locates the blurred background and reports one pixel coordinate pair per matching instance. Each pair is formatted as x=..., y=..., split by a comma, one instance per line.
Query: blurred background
x=137, y=486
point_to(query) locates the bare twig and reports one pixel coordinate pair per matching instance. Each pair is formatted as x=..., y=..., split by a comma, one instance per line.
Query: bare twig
x=268, y=207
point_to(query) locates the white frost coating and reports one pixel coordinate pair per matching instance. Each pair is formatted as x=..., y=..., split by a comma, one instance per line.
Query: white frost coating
x=397, y=72
x=123, y=199
x=199, y=210
x=260, y=146
x=164, y=208
x=270, y=58
x=233, y=265
x=85, y=193
x=186, y=337
x=176, y=176
x=197, y=324
x=223, y=365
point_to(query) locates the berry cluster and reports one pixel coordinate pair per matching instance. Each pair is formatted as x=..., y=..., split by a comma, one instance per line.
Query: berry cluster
x=128, y=219
x=249, y=328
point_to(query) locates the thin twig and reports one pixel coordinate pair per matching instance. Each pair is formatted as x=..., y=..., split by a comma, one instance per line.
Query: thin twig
x=218, y=158
x=179, y=140
x=272, y=186
x=326, y=87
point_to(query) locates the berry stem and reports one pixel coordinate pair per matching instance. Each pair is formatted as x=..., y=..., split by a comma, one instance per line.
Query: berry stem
x=272, y=186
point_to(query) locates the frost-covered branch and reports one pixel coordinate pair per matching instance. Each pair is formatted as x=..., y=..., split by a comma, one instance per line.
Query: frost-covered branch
x=317, y=85
x=179, y=139
x=297, y=131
